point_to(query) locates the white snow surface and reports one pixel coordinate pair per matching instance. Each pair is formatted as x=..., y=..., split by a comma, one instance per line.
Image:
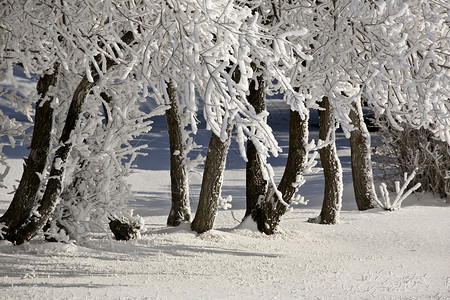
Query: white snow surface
x=370, y=255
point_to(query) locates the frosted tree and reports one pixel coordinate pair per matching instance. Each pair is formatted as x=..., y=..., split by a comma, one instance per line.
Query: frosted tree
x=86, y=51
x=256, y=185
x=23, y=200
x=181, y=208
x=319, y=77
x=173, y=71
x=265, y=202
x=97, y=193
x=408, y=81
x=11, y=35
x=350, y=41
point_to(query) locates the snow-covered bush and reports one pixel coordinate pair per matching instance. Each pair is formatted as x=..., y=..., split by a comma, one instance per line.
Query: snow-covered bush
x=402, y=193
x=400, y=152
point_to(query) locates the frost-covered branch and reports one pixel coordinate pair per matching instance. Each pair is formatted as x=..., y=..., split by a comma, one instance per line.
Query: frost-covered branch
x=402, y=192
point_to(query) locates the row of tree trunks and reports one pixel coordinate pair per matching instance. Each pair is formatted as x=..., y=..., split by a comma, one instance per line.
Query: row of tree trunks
x=24, y=199
x=212, y=182
x=268, y=217
x=28, y=227
x=180, y=210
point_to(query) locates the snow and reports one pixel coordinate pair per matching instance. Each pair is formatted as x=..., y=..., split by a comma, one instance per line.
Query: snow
x=370, y=255
x=376, y=254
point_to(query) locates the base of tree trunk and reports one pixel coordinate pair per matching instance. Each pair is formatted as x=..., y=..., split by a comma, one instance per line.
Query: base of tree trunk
x=315, y=220
x=320, y=220
x=175, y=218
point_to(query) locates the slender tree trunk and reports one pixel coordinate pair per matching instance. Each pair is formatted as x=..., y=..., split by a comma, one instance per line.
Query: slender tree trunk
x=361, y=160
x=256, y=186
x=297, y=157
x=332, y=200
x=29, y=228
x=181, y=209
x=211, y=183
x=267, y=215
x=25, y=197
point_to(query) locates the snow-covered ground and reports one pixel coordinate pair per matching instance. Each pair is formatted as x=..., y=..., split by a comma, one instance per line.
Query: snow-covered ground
x=371, y=255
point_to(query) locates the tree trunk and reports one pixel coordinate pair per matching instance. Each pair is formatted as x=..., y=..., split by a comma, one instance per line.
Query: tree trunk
x=361, y=160
x=211, y=183
x=332, y=200
x=297, y=157
x=256, y=186
x=29, y=228
x=181, y=209
x=25, y=197
x=268, y=214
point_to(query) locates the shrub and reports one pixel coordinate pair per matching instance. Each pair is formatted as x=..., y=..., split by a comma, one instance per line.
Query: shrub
x=400, y=152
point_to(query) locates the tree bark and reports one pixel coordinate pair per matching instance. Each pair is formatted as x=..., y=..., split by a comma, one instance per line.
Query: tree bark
x=361, y=160
x=211, y=183
x=332, y=200
x=268, y=214
x=24, y=199
x=181, y=209
x=29, y=227
x=256, y=186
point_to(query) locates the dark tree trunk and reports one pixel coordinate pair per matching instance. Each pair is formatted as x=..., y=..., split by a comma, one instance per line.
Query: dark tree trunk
x=256, y=186
x=25, y=197
x=268, y=214
x=332, y=200
x=211, y=183
x=29, y=228
x=297, y=157
x=361, y=160
x=181, y=209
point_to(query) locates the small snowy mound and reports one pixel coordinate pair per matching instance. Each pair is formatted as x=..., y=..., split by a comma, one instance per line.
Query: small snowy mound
x=214, y=236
